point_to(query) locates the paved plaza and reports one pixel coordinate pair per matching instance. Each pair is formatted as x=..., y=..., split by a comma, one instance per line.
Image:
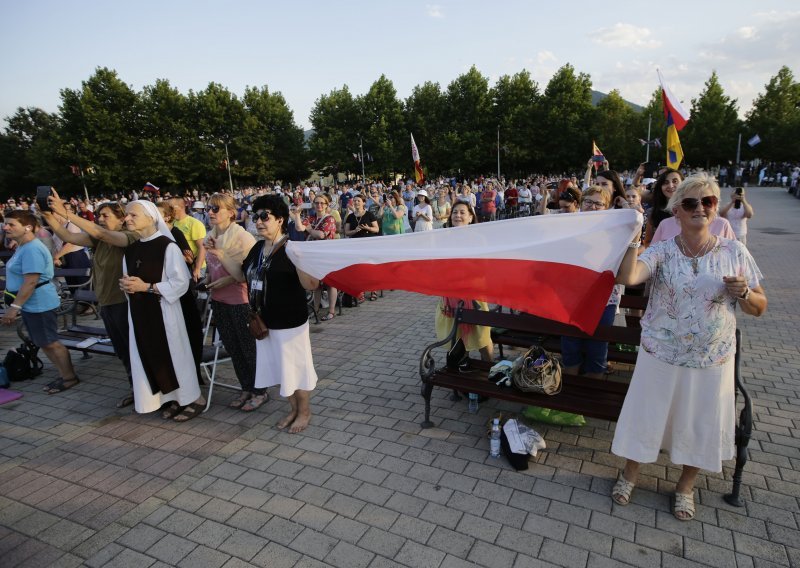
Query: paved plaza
x=83, y=483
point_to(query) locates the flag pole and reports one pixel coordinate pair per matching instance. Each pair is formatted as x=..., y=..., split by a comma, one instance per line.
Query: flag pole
x=738, y=149
x=361, y=146
x=228, y=163
x=649, y=123
x=498, y=152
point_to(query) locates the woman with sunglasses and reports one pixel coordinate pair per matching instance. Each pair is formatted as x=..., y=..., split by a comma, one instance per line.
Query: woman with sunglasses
x=277, y=291
x=108, y=239
x=681, y=397
x=227, y=244
x=320, y=226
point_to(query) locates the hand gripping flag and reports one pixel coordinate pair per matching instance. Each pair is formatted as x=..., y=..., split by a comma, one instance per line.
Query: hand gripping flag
x=676, y=117
x=559, y=267
x=419, y=175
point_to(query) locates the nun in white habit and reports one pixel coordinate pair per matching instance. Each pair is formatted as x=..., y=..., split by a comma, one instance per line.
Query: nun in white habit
x=155, y=278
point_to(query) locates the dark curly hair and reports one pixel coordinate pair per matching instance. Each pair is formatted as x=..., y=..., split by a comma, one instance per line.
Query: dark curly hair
x=275, y=205
x=660, y=200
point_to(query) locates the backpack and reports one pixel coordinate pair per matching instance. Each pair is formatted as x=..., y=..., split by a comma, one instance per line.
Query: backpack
x=22, y=363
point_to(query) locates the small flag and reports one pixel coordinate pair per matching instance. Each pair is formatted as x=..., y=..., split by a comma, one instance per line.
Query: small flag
x=150, y=188
x=677, y=118
x=672, y=106
x=754, y=140
x=76, y=171
x=419, y=175
x=597, y=156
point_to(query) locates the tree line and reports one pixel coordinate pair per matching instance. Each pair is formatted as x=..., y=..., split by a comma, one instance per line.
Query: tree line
x=117, y=138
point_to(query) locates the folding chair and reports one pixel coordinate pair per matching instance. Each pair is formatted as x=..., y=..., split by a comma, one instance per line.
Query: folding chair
x=213, y=353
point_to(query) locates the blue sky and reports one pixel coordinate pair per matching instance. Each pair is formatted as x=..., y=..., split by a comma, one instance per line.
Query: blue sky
x=305, y=48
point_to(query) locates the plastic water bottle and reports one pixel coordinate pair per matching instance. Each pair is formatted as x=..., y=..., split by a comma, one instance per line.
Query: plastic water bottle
x=494, y=439
x=473, y=403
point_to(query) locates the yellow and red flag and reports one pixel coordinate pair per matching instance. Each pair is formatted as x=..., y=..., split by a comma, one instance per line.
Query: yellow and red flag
x=419, y=175
x=676, y=117
x=597, y=156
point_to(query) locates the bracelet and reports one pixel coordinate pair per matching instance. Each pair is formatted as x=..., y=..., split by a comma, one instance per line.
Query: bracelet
x=744, y=297
x=634, y=245
x=16, y=306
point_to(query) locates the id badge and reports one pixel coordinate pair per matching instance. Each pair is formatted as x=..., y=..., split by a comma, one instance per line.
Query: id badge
x=256, y=285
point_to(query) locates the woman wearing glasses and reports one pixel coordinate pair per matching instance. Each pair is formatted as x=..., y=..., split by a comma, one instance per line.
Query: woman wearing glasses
x=320, y=226
x=278, y=294
x=585, y=356
x=227, y=243
x=681, y=396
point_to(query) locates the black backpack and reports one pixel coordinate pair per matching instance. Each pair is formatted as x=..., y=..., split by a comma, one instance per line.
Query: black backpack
x=23, y=363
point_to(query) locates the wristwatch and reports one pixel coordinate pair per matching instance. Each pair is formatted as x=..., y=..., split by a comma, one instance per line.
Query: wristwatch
x=746, y=295
x=150, y=289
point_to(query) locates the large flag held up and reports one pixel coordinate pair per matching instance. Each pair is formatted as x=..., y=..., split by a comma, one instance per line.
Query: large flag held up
x=419, y=175
x=560, y=267
x=676, y=117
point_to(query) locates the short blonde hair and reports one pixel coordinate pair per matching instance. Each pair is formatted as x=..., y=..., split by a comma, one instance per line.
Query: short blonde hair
x=604, y=193
x=224, y=200
x=696, y=181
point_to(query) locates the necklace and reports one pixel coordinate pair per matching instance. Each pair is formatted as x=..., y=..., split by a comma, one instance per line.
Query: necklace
x=702, y=251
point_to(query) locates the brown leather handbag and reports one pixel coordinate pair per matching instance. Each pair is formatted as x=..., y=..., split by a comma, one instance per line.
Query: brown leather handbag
x=257, y=327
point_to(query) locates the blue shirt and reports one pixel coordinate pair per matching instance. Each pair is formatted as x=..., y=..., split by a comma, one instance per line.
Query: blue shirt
x=33, y=258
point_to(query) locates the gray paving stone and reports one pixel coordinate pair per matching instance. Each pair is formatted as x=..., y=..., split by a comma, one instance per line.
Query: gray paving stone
x=211, y=534
x=280, y=530
x=204, y=557
x=346, y=555
x=313, y=517
x=451, y=542
x=141, y=537
x=479, y=528
x=491, y=556
x=243, y=545
x=313, y=543
x=417, y=555
x=247, y=519
x=276, y=556
x=346, y=529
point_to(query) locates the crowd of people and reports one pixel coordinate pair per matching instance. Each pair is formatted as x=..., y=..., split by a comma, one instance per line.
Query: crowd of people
x=152, y=255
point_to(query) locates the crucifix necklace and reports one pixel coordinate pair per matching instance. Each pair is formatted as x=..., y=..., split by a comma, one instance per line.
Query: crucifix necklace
x=702, y=251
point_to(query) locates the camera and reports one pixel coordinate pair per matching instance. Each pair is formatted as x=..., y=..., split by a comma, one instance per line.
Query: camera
x=42, y=193
x=737, y=204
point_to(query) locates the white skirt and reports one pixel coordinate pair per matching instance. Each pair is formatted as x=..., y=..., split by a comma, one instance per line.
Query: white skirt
x=688, y=412
x=284, y=358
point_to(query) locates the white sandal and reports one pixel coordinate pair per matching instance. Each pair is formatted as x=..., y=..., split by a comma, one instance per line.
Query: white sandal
x=621, y=493
x=683, y=503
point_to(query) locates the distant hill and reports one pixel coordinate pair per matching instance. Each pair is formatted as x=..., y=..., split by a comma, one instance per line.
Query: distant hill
x=597, y=96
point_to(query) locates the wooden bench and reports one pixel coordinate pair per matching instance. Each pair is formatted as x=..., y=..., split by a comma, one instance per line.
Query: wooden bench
x=597, y=398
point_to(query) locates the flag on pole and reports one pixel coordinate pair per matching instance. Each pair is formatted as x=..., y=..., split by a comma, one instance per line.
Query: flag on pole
x=754, y=140
x=677, y=117
x=570, y=260
x=597, y=156
x=76, y=171
x=150, y=188
x=419, y=175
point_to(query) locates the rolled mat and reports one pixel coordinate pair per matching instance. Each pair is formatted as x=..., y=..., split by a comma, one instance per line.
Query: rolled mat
x=9, y=395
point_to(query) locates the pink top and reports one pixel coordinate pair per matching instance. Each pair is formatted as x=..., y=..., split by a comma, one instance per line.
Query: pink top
x=670, y=228
x=235, y=293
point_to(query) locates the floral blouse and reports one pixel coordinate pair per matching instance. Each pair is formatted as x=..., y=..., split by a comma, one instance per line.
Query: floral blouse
x=690, y=319
x=327, y=225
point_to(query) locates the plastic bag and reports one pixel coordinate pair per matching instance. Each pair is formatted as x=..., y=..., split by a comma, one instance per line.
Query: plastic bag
x=523, y=439
x=556, y=417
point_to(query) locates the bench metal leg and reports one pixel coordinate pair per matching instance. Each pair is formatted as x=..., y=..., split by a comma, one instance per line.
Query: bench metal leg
x=743, y=431
x=454, y=396
x=426, y=394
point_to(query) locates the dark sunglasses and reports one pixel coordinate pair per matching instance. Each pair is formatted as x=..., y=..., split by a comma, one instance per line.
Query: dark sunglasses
x=567, y=196
x=708, y=202
x=214, y=208
x=261, y=215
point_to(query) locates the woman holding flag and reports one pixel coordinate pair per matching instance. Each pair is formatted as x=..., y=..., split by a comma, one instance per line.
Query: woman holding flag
x=681, y=396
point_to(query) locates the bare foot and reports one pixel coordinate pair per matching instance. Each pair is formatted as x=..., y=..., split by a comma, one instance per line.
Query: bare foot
x=300, y=424
x=283, y=424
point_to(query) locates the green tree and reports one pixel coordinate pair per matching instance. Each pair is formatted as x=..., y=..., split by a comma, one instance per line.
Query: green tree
x=425, y=116
x=385, y=132
x=775, y=117
x=614, y=130
x=469, y=141
x=101, y=129
x=709, y=138
x=273, y=145
x=515, y=101
x=167, y=138
x=337, y=124
x=567, y=113
x=26, y=151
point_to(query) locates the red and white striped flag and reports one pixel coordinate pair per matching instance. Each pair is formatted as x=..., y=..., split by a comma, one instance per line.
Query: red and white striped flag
x=560, y=267
x=419, y=175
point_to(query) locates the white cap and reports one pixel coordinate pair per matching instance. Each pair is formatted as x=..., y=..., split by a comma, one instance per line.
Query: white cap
x=198, y=205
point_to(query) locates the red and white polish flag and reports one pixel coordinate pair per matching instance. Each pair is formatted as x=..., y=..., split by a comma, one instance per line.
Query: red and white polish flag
x=559, y=267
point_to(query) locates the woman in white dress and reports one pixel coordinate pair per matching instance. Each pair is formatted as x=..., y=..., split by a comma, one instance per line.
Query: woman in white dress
x=278, y=294
x=681, y=396
x=423, y=212
x=155, y=277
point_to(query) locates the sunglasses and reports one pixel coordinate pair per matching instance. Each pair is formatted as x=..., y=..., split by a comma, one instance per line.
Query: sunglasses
x=214, y=208
x=708, y=202
x=261, y=215
x=566, y=196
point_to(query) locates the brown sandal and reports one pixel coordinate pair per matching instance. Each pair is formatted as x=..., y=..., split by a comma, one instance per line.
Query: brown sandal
x=190, y=411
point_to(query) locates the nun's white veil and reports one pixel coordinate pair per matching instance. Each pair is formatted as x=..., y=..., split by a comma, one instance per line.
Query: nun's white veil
x=152, y=211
